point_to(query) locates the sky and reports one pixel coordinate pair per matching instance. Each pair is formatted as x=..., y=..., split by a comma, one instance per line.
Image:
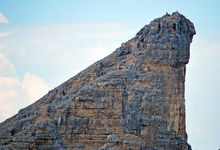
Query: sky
x=45, y=42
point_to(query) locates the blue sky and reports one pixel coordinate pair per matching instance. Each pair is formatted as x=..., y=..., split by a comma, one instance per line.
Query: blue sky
x=43, y=43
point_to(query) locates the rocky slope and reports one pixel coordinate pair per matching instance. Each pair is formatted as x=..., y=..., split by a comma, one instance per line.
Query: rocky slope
x=131, y=99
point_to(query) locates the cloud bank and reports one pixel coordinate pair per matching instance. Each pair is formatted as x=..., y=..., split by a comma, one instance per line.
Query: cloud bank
x=16, y=93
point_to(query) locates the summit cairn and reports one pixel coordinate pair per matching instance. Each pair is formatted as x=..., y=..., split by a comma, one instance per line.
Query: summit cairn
x=133, y=99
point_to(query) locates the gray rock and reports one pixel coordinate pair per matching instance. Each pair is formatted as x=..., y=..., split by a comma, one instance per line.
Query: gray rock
x=131, y=99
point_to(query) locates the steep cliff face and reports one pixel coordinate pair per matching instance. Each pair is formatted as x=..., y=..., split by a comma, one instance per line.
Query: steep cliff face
x=131, y=99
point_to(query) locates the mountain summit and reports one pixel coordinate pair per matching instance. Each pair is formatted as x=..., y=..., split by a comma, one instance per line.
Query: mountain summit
x=131, y=99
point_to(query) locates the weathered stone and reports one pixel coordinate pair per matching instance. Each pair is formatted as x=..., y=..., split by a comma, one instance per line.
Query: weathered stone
x=131, y=99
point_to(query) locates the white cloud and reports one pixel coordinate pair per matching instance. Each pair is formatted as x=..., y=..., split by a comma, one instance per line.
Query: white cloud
x=3, y=19
x=34, y=86
x=4, y=34
x=7, y=69
x=16, y=93
x=9, y=93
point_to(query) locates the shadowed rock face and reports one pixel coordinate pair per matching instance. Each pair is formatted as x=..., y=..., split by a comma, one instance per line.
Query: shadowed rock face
x=131, y=99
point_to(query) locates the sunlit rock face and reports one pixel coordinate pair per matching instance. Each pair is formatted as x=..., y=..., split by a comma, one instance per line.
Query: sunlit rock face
x=131, y=99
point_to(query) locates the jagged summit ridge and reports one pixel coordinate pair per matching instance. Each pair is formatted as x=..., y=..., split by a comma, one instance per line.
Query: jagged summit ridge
x=170, y=32
x=131, y=99
x=167, y=26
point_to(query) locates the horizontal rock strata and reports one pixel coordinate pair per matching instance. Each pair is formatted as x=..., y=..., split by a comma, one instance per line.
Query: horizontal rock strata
x=131, y=99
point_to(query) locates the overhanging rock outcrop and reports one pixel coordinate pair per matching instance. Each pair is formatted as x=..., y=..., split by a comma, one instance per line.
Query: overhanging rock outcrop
x=131, y=99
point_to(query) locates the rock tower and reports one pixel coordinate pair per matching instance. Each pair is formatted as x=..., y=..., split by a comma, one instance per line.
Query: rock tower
x=132, y=99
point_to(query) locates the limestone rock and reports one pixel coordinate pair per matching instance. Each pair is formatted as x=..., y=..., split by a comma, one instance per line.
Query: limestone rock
x=131, y=99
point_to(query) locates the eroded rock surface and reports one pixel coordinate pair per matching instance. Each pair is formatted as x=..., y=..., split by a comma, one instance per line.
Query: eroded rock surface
x=131, y=99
